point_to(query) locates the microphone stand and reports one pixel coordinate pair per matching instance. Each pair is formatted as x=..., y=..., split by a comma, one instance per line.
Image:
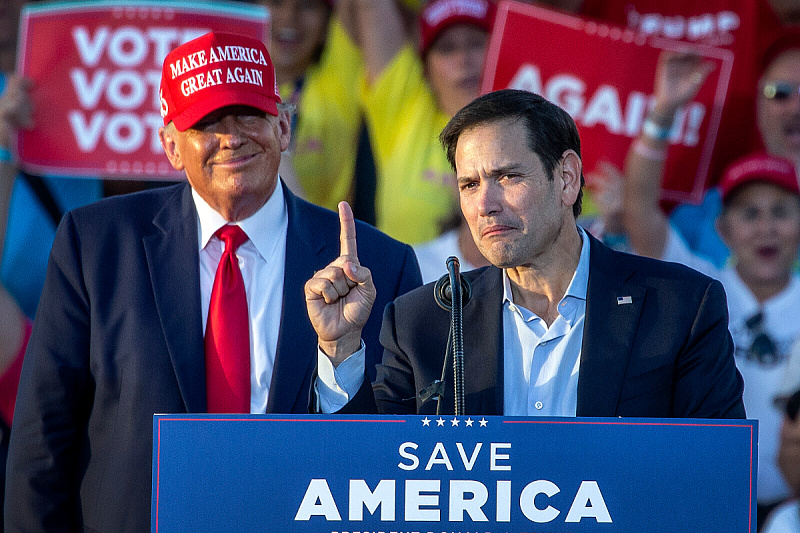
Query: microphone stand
x=457, y=332
x=451, y=297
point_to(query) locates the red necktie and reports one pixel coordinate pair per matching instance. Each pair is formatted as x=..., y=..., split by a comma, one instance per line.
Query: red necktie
x=227, y=339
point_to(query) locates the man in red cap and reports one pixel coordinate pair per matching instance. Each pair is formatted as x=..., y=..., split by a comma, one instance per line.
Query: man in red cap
x=187, y=298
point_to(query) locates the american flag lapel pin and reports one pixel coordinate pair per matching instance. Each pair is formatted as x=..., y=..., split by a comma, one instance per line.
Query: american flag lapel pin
x=622, y=300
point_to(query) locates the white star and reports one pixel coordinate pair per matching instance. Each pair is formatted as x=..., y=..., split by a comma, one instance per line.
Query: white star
x=483, y=422
x=454, y=421
x=469, y=422
x=426, y=421
x=440, y=422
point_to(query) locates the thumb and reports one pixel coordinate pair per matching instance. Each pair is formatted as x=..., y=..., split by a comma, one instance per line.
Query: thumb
x=357, y=273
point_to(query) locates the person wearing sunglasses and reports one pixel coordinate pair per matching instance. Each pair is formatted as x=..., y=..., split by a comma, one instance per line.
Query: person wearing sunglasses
x=780, y=91
x=749, y=236
x=778, y=100
x=776, y=106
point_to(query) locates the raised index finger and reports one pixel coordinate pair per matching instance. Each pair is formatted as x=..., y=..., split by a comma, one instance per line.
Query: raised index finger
x=347, y=237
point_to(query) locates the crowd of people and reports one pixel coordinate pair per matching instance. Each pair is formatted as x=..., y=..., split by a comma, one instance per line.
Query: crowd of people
x=358, y=94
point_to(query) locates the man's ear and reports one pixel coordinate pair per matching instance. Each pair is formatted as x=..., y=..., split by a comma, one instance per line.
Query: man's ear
x=571, y=168
x=170, y=146
x=285, y=129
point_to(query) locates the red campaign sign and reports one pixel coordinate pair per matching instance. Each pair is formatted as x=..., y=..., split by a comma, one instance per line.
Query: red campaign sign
x=96, y=70
x=602, y=75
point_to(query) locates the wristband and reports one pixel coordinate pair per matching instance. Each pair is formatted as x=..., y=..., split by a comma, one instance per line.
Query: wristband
x=656, y=131
x=5, y=155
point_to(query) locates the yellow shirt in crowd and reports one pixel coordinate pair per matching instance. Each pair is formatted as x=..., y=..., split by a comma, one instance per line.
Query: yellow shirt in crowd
x=325, y=134
x=415, y=189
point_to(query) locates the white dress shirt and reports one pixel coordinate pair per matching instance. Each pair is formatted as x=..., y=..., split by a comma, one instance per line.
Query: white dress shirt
x=262, y=260
x=432, y=256
x=541, y=364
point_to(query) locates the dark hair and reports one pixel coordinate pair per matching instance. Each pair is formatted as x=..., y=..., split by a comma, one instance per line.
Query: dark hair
x=788, y=39
x=793, y=405
x=551, y=131
x=317, y=55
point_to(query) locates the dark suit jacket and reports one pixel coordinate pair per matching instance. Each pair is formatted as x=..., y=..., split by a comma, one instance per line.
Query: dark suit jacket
x=666, y=354
x=118, y=337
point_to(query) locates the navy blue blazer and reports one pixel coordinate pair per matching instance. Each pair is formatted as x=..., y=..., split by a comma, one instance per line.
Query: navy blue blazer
x=668, y=353
x=118, y=337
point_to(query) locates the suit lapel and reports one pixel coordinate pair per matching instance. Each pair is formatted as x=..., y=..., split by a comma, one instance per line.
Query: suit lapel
x=173, y=260
x=295, y=359
x=483, y=344
x=608, y=332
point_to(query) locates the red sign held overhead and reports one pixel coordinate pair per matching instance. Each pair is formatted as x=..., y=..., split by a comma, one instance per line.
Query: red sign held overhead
x=96, y=70
x=603, y=75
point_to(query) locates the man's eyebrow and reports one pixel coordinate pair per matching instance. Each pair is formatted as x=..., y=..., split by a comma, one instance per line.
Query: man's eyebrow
x=511, y=168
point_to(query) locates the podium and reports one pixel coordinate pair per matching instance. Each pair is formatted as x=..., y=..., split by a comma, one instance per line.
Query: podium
x=337, y=474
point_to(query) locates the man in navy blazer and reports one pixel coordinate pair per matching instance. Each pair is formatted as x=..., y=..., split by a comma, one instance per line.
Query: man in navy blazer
x=560, y=325
x=119, y=333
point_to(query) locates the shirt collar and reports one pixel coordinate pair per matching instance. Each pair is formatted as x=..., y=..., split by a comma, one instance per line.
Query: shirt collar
x=258, y=227
x=579, y=284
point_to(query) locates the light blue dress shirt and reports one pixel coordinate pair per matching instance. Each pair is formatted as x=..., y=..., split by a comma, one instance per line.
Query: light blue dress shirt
x=541, y=364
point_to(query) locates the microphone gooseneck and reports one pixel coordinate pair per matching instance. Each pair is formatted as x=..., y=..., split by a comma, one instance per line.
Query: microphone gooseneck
x=451, y=297
x=458, y=332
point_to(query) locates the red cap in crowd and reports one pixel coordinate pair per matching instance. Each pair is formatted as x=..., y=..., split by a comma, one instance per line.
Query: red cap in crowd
x=440, y=14
x=213, y=71
x=759, y=167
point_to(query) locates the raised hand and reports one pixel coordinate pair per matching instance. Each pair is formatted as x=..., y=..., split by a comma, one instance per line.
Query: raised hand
x=16, y=109
x=679, y=76
x=606, y=183
x=339, y=297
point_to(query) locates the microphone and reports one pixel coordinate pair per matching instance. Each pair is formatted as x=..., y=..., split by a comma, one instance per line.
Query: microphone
x=443, y=290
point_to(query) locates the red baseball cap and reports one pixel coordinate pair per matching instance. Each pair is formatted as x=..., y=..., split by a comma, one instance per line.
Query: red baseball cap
x=440, y=14
x=759, y=167
x=213, y=71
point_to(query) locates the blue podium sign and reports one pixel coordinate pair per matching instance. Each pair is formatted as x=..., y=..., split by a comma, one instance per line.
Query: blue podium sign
x=348, y=474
